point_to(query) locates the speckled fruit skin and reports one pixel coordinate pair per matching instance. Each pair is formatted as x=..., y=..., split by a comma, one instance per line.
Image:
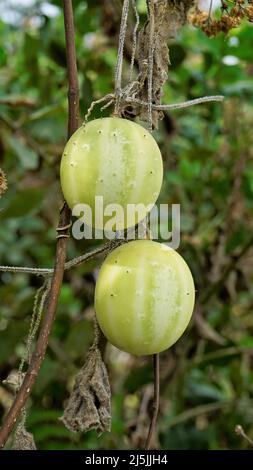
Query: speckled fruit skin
x=144, y=297
x=114, y=158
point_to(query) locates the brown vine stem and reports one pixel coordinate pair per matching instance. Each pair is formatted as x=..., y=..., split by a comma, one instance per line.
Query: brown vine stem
x=155, y=410
x=61, y=248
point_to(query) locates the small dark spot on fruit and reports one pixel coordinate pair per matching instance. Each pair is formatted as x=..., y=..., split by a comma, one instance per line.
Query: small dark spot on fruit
x=112, y=295
x=144, y=135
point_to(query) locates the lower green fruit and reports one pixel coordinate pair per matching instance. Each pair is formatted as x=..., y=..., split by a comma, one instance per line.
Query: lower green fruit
x=144, y=297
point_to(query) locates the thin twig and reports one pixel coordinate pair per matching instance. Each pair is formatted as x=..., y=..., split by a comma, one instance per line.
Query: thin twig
x=122, y=36
x=155, y=410
x=111, y=98
x=16, y=101
x=240, y=431
x=94, y=103
x=171, y=107
x=137, y=22
x=198, y=411
x=156, y=374
x=221, y=353
x=151, y=49
x=73, y=92
x=41, y=346
x=97, y=251
x=68, y=265
x=27, y=270
x=210, y=10
x=39, y=302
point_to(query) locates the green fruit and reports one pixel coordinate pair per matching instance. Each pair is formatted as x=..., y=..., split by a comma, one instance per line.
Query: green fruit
x=114, y=158
x=144, y=297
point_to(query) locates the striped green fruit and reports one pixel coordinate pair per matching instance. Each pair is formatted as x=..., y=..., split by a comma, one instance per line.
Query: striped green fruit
x=144, y=297
x=116, y=159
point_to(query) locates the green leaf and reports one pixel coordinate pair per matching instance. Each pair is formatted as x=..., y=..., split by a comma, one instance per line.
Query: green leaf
x=27, y=157
x=23, y=203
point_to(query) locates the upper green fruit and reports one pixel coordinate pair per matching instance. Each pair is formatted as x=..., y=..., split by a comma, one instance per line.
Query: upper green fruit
x=144, y=297
x=114, y=158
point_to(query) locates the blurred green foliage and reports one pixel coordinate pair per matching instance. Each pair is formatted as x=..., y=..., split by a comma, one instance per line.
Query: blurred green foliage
x=207, y=378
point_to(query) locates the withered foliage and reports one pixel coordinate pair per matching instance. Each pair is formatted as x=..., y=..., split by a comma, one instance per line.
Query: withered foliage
x=89, y=405
x=231, y=15
x=23, y=440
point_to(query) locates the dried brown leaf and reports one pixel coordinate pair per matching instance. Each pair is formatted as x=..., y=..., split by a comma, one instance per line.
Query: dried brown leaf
x=89, y=405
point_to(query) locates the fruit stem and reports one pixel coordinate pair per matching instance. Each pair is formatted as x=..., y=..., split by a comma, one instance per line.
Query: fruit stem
x=155, y=407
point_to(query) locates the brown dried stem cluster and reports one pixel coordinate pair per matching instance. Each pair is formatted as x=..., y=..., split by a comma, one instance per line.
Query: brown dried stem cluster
x=231, y=15
x=165, y=19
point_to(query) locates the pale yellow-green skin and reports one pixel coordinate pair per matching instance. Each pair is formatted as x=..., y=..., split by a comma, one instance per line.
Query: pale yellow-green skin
x=114, y=158
x=144, y=297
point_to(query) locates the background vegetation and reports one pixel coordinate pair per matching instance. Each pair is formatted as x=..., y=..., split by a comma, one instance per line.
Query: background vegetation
x=206, y=378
